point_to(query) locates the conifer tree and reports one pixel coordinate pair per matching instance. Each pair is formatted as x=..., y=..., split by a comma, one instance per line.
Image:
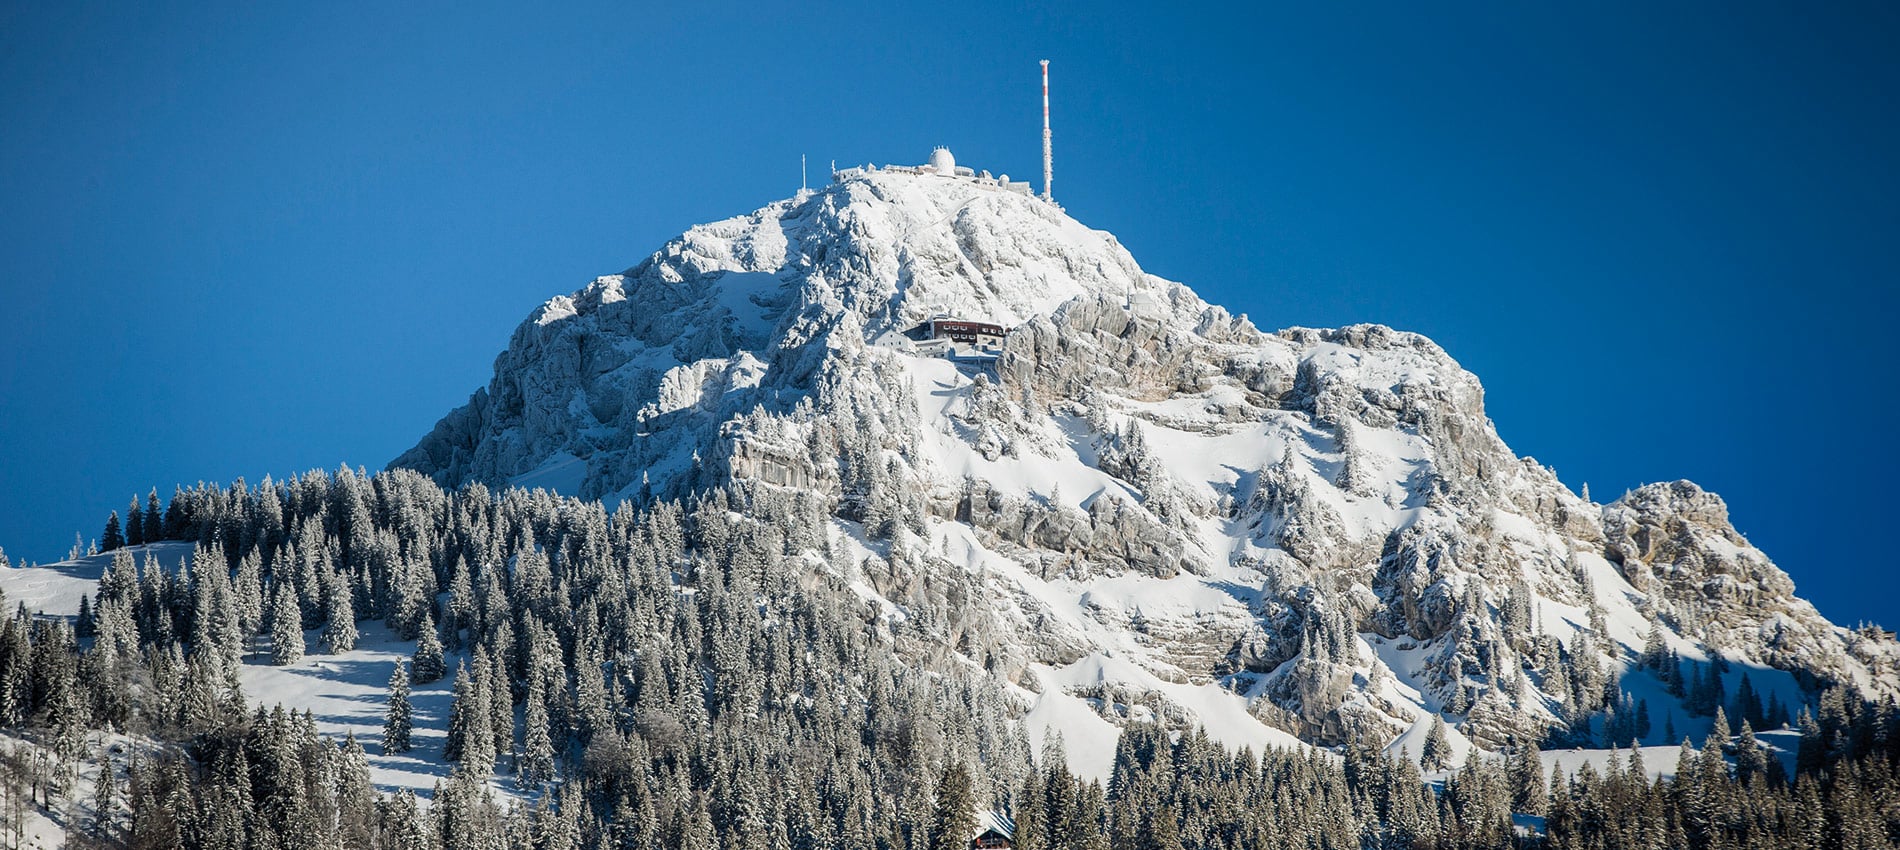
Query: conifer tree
x=1751, y=763
x=500, y=698
x=470, y=740
x=1029, y=814
x=134, y=524
x=176, y=522
x=1437, y=749
x=429, y=664
x=286, y=627
x=1811, y=752
x=120, y=579
x=398, y=716
x=247, y=597
x=115, y=635
x=111, y=539
x=105, y=790
x=537, y=749
x=402, y=826
x=154, y=519
x=461, y=612
x=1164, y=830
x=954, y=820
x=1748, y=706
x=356, y=797
x=84, y=624
x=339, y=632
x=1526, y=771
x=1719, y=731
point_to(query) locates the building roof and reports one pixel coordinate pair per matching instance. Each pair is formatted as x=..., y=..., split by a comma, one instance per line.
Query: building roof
x=943, y=161
x=992, y=821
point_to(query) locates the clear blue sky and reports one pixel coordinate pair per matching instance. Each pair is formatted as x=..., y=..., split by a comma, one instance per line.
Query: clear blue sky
x=246, y=238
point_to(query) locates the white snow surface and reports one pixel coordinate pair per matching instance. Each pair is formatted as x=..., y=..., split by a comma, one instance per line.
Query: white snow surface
x=1341, y=484
x=346, y=693
x=55, y=589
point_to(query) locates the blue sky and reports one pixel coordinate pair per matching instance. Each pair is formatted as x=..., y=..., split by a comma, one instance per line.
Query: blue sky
x=251, y=238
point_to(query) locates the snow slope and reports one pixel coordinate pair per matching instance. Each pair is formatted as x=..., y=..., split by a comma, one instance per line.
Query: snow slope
x=347, y=692
x=56, y=588
x=1160, y=510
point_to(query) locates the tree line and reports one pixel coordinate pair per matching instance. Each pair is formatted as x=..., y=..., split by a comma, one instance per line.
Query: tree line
x=703, y=672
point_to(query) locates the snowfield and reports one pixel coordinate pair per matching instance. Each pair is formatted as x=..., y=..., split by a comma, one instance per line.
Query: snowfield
x=55, y=589
x=346, y=693
x=349, y=692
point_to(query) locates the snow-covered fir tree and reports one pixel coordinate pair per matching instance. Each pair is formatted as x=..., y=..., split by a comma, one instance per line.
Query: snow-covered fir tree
x=286, y=626
x=398, y=716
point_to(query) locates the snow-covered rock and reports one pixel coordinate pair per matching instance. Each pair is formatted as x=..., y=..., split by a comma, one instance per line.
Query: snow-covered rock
x=1142, y=502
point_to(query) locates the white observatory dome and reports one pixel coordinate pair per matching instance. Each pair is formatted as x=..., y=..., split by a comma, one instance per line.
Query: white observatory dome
x=942, y=161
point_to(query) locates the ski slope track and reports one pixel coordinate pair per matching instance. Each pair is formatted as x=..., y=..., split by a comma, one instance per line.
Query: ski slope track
x=1159, y=511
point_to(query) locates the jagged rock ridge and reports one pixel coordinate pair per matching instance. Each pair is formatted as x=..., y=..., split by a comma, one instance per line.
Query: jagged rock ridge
x=1143, y=506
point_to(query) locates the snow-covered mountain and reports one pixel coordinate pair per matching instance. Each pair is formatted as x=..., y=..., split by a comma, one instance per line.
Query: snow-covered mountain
x=1138, y=505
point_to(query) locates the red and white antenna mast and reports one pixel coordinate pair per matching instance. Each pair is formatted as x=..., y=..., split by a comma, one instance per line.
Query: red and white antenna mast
x=1048, y=167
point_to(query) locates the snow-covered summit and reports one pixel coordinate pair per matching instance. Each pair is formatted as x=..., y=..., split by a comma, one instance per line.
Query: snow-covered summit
x=1137, y=505
x=742, y=312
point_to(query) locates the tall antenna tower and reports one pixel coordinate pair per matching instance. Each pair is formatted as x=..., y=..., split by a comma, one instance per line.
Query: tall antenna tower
x=1048, y=159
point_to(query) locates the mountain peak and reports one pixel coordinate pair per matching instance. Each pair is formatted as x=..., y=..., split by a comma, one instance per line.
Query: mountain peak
x=1143, y=500
x=870, y=256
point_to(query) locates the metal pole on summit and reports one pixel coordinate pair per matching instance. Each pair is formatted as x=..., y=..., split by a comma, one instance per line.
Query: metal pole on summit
x=1048, y=167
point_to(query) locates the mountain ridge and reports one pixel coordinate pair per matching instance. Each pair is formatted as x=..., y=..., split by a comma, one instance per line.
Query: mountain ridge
x=1145, y=496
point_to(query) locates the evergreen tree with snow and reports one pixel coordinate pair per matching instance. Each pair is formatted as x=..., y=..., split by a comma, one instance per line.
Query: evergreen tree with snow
x=1436, y=754
x=1655, y=647
x=398, y=716
x=428, y=664
x=1811, y=753
x=471, y=740
x=1526, y=772
x=1751, y=762
x=105, y=794
x=1354, y=476
x=339, y=631
x=953, y=822
x=537, y=749
x=496, y=691
x=461, y=611
x=115, y=633
x=356, y=796
x=286, y=627
x=1028, y=811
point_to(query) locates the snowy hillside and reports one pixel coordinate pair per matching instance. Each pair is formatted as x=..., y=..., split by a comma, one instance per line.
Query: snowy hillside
x=345, y=691
x=1152, y=508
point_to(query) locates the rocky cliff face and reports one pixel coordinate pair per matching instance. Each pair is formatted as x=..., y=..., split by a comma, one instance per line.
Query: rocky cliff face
x=1142, y=506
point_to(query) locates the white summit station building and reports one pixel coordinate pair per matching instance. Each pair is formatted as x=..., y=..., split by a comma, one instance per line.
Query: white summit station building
x=943, y=164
